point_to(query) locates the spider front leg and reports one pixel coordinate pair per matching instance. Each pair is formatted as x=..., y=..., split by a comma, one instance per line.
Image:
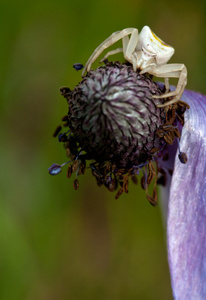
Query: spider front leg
x=129, y=46
x=112, y=52
x=170, y=71
x=118, y=35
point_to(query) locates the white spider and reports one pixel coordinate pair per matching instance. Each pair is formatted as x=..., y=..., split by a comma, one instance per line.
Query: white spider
x=147, y=52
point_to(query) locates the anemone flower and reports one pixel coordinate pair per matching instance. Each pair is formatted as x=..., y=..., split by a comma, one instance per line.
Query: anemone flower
x=118, y=127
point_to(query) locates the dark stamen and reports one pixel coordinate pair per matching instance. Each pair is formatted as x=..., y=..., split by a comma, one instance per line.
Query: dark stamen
x=182, y=155
x=76, y=184
x=57, y=130
x=55, y=169
x=78, y=66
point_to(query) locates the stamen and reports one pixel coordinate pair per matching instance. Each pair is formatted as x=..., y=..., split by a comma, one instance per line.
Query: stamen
x=182, y=155
x=134, y=179
x=65, y=91
x=69, y=171
x=78, y=66
x=62, y=137
x=57, y=130
x=55, y=169
x=76, y=184
x=65, y=118
x=119, y=193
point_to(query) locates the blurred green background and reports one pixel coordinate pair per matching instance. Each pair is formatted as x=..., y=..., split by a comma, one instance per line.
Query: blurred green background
x=57, y=243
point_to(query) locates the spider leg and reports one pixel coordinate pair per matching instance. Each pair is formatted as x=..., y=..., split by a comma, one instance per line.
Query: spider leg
x=129, y=46
x=167, y=85
x=105, y=44
x=170, y=71
x=125, y=41
x=112, y=52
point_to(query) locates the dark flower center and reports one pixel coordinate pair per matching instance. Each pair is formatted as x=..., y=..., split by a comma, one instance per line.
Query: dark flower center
x=114, y=117
x=114, y=121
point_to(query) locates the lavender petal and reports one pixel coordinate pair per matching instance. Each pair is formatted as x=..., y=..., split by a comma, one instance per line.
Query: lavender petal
x=187, y=206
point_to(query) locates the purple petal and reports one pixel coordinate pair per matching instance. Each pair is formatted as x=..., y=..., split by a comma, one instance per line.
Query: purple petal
x=187, y=206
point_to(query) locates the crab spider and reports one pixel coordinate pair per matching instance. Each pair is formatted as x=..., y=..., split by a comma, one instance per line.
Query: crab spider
x=147, y=52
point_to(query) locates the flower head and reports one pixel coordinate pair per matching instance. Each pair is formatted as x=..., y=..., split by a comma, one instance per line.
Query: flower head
x=114, y=122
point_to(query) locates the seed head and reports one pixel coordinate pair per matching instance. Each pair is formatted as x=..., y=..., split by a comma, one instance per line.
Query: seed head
x=114, y=118
x=114, y=121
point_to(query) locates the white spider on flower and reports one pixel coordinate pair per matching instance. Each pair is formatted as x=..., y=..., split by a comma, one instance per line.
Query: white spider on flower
x=147, y=52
